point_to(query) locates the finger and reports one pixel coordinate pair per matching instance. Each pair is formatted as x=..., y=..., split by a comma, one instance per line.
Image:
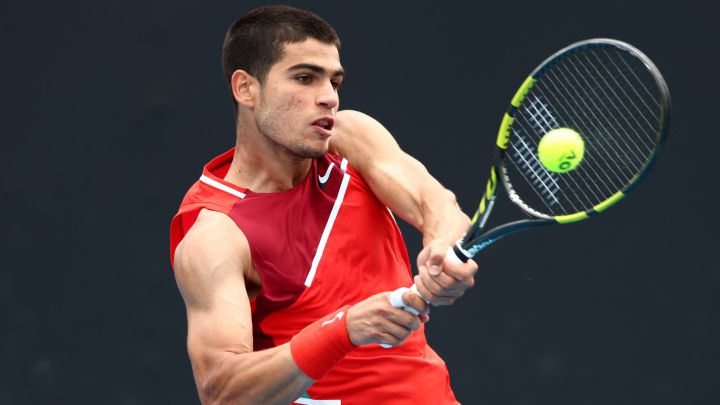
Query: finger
x=445, y=282
x=416, y=302
x=398, y=301
x=400, y=328
x=436, y=256
x=436, y=300
x=442, y=285
x=405, y=319
x=400, y=312
x=388, y=340
x=460, y=271
x=398, y=325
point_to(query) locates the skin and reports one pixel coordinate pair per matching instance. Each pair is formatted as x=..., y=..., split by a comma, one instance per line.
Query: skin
x=276, y=142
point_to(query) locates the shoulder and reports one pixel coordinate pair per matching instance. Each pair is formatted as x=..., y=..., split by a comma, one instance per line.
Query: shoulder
x=356, y=131
x=212, y=231
x=351, y=115
x=350, y=121
x=212, y=251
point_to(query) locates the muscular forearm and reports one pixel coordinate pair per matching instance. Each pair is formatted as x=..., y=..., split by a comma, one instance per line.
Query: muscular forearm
x=263, y=377
x=274, y=376
x=442, y=218
x=397, y=179
x=413, y=194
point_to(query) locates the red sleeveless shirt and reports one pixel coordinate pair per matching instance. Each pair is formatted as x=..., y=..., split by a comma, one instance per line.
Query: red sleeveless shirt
x=326, y=243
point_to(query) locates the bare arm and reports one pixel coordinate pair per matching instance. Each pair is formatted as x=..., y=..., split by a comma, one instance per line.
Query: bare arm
x=397, y=179
x=406, y=187
x=211, y=265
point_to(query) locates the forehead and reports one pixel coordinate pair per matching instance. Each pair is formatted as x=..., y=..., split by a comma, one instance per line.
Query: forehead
x=311, y=51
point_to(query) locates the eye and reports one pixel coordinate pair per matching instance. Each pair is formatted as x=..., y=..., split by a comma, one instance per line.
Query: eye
x=304, y=79
x=335, y=83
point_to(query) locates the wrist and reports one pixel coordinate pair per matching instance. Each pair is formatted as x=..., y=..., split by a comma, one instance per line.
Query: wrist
x=442, y=218
x=321, y=345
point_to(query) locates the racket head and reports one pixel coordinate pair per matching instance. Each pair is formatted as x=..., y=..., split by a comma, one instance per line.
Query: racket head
x=610, y=93
x=604, y=89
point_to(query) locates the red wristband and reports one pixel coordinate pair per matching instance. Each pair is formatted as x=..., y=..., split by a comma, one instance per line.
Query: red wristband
x=322, y=344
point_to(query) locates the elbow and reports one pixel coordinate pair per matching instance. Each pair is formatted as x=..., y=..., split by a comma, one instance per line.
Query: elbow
x=225, y=386
x=211, y=392
x=213, y=387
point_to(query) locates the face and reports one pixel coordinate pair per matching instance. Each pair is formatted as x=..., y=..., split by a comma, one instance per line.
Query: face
x=298, y=101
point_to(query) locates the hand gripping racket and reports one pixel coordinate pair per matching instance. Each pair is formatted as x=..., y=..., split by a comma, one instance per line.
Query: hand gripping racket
x=606, y=92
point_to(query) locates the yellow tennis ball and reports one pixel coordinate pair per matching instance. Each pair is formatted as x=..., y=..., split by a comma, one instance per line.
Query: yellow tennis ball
x=561, y=150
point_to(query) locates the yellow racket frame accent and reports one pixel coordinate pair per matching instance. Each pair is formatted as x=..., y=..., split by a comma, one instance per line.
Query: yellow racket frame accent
x=609, y=202
x=490, y=188
x=504, y=132
x=565, y=219
x=523, y=91
x=507, y=121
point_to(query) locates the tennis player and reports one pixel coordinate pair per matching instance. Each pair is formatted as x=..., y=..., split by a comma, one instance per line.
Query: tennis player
x=285, y=250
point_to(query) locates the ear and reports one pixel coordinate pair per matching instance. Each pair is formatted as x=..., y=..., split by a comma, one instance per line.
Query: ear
x=244, y=88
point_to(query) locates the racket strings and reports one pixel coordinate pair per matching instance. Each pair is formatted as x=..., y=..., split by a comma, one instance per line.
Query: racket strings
x=632, y=102
x=608, y=96
x=610, y=101
x=591, y=121
x=572, y=180
x=527, y=161
x=626, y=115
x=561, y=183
x=548, y=200
x=650, y=96
x=543, y=121
x=634, y=88
x=549, y=125
x=600, y=122
x=575, y=184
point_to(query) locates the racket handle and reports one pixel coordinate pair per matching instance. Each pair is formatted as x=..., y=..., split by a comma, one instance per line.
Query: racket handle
x=396, y=300
x=396, y=297
x=455, y=255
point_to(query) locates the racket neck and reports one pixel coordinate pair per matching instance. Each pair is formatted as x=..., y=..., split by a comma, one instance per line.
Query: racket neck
x=469, y=250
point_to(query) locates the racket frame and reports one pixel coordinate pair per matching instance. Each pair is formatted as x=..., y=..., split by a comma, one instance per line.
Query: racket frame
x=473, y=241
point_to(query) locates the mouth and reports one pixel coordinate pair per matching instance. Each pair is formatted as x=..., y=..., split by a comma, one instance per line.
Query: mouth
x=326, y=123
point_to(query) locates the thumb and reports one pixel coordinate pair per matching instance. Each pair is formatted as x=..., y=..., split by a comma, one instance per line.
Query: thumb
x=436, y=256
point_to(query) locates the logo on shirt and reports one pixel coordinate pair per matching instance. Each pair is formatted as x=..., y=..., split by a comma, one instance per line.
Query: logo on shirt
x=322, y=180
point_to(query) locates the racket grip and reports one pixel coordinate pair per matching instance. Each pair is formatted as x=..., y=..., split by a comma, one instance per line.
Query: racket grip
x=396, y=300
x=396, y=297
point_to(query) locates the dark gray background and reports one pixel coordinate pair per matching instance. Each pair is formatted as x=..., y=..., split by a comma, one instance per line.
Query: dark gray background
x=110, y=108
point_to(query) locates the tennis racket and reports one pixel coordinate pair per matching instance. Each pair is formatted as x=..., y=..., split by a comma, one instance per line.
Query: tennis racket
x=606, y=91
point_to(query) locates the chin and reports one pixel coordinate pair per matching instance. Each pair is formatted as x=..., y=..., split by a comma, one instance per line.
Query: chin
x=317, y=154
x=315, y=151
x=312, y=153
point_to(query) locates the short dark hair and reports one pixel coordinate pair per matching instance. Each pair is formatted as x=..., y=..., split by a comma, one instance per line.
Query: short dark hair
x=256, y=40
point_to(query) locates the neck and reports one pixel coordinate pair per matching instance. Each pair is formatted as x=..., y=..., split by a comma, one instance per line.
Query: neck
x=263, y=166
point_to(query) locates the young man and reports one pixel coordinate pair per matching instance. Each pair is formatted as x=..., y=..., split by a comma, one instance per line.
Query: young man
x=285, y=250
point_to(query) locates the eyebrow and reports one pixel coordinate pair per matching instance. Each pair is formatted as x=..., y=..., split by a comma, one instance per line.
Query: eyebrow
x=315, y=68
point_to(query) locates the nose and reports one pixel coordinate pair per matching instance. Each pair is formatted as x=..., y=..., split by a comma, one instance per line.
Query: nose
x=328, y=97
